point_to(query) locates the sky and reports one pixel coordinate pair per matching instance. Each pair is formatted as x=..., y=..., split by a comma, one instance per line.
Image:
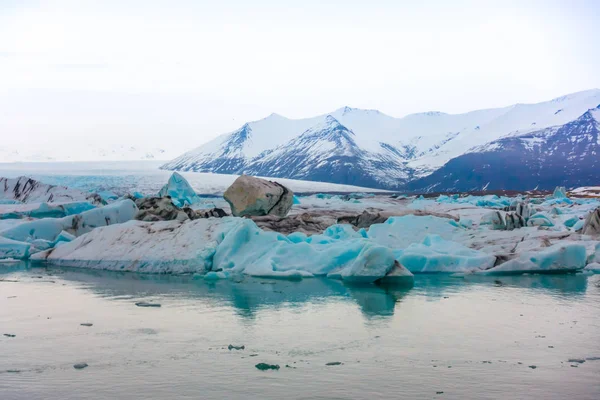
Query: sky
x=184, y=71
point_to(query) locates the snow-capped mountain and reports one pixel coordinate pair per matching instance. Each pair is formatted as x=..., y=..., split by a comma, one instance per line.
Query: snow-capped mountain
x=367, y=147
x=565, y=155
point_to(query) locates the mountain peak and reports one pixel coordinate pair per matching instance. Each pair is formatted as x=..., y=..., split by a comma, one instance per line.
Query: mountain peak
x=330, y=120
x=350, y=110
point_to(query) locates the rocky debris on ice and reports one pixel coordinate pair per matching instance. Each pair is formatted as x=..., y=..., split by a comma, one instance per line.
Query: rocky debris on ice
x=304, y=223
x=215, y=212
x=153, y=209
x=181, y=192
x=591, y=225
x=250, y=196
x=368, y=218
x=586, y=191
x=27, y=190
x=501, y=220
x=524, y=209
x=364, y=220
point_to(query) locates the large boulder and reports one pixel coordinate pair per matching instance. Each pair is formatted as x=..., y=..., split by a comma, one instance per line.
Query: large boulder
x=249, y=196
x=592, y=223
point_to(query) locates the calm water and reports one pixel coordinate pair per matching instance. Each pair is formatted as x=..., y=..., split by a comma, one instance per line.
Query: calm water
x=468, y=338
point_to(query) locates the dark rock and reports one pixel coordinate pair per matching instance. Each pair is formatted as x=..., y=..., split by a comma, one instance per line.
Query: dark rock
x=9, y=335
x=364, y=220
x=333, y=363
x=153, y=209
x=80, y=366
x=212, y=213
x=86, y=324
x=146, y=304
x=265, y=367
x=232, y=347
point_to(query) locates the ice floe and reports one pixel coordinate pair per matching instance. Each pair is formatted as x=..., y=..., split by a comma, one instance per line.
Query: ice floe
x=356, y=238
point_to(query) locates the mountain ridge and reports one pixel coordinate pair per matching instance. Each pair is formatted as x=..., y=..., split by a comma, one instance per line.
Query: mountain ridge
x=393, y=151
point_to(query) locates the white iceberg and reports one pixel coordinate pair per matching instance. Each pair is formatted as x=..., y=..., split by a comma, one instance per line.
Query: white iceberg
x=166, y=247
x=561, y=257
x=27, y=190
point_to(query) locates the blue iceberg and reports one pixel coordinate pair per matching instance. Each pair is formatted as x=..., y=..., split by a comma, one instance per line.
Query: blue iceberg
x=181, y=192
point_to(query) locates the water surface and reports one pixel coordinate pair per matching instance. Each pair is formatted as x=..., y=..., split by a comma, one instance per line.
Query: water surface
x=471, y=338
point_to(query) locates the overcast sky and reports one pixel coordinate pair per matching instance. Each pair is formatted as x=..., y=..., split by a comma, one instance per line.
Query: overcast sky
x=199, y=68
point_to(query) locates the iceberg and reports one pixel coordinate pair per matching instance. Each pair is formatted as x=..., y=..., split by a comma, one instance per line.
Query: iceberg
x=43, y=210
x=181, y=192
x=400, y=232
x=49, y=229
x=438, y=255
x=13, y=249
x=27, y=190
x=249, y=250
x=593, y=268
x=223, y=247
x=505, y=221
x=540, y=219
x=166, y=247
x=560, y=192
x=561, y=257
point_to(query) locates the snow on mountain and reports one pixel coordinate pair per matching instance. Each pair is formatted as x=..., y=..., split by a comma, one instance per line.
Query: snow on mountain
x=565, y=155
x=513, y=120
x=367, y=147
x=325, y=150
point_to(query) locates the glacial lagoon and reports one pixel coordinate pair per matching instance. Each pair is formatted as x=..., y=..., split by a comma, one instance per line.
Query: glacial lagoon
x=471, y=337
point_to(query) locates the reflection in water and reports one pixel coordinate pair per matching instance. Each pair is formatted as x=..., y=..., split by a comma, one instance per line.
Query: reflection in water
x=248, y=295
x=391, y=342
